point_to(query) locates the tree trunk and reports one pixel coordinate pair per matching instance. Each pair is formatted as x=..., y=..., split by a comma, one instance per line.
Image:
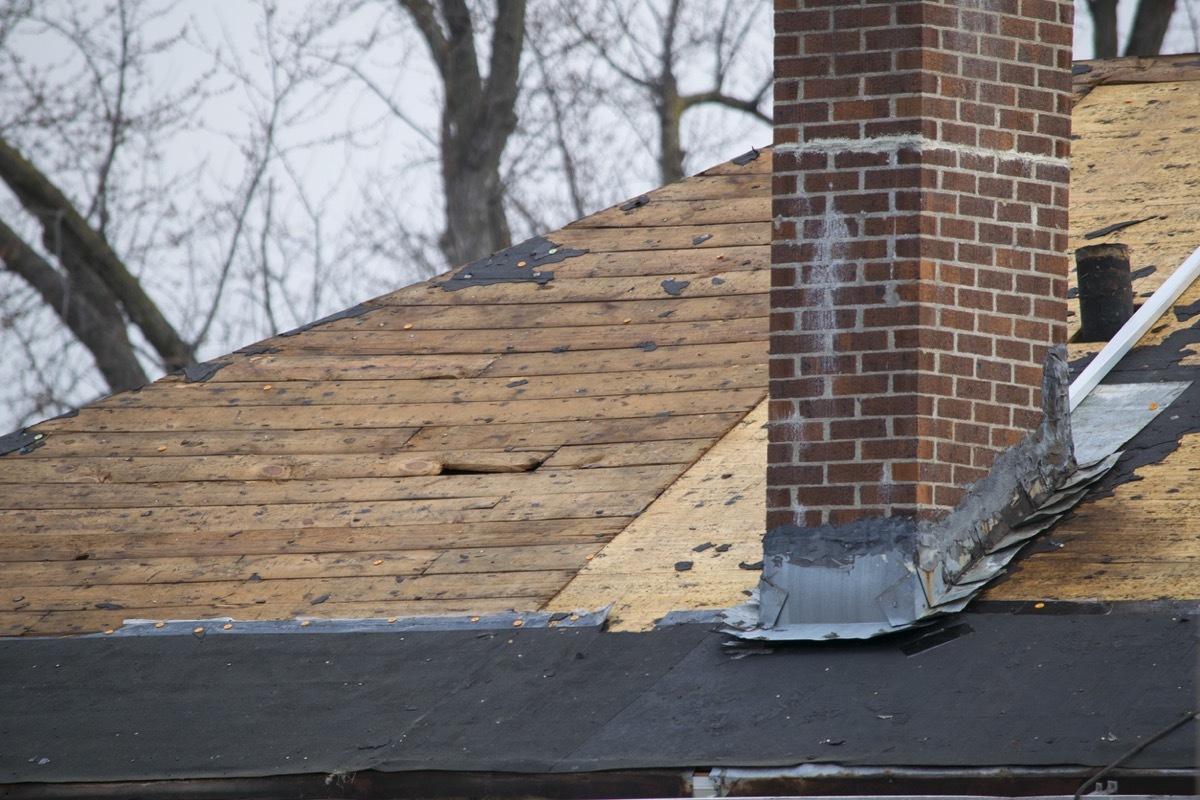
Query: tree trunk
x=1150, y=27
x=1104, y=27
x=89, y=311
x=477, y=119
x=85, y=255
x=670, y=115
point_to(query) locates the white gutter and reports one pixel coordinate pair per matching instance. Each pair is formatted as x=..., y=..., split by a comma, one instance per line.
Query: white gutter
x=1133, y=330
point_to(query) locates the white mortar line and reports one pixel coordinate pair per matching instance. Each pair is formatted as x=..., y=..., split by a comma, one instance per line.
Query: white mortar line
x=884, y=144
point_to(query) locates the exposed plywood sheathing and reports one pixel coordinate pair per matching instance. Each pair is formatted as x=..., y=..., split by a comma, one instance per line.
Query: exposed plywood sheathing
x=692, y=547
x=444, y=452
x=1136, y=157
x=525, y=446
x=1140, y=543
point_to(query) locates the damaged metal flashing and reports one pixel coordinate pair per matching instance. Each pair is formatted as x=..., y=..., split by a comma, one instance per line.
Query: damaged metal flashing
x=520, y=263
x=877, y=576
x=507, y=620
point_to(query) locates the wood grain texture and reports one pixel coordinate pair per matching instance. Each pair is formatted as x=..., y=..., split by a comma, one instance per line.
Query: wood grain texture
x=441, y=452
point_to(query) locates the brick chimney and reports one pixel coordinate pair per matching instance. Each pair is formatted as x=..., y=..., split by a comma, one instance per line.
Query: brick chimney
x=919, y=274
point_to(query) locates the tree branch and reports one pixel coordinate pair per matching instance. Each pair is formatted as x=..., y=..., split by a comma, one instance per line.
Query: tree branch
x=749, y=106
x=426, y=21
x=91, y=315
x=65, y=232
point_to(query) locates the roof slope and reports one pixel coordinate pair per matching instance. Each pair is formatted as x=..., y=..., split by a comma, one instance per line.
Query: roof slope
x=457, y=449
x=547, y=442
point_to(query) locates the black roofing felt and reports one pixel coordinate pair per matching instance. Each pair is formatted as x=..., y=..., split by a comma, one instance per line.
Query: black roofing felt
x=989, y=689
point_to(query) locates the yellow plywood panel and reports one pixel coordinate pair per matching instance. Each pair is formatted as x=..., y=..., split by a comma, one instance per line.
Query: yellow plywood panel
x=719, y=501
x=1140, y=543
x=1137, y=157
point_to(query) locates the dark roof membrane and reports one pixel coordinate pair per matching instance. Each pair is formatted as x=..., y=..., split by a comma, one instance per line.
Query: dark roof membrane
x=992, y=689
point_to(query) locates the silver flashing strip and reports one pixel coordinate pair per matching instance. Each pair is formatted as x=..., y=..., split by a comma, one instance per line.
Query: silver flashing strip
x=511, y=620
x=1137, y=326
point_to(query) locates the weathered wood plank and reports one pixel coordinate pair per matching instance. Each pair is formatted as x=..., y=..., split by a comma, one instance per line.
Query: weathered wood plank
x=529, y=340
x=183, y=569
x=664, y=212
x=19, y=623
x=203, y=494
x=566, y=557
x=663, y=263
x=405, y=415
x=85, y=543
x=554, y=315
x=267, y=368
x=555, y=434
x=668, y=237
x=593, y=456
x=714, y=187
x=601, y=289
x=289, y=393
x=336, y=514
x=297, y=594
x=146, y=469
x=759, y=164
x=520, y=365
x=381, y=441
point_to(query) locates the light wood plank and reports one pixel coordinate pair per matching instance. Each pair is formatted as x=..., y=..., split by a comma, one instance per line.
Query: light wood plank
x=101, y=572
x=558, y=315
x=534, y=387
x=298, y=594
x=267, y=368
x=146, y=469
x=668, y=237
x=558, y=434
x=404, y=415
x=596, y=456
x=380, y=442
x=599, y=289
x=333, y=515
x=520, y=365
x=666, y=212
x=205, y=494
x=567, y=557
x=529, y=340
x=83, y=543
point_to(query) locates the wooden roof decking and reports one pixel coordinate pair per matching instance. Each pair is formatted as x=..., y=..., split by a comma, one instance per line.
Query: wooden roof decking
x=1136, y=157
x=443, y=452
x=524, y=446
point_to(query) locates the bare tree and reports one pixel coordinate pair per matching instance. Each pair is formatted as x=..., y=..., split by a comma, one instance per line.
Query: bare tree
x=119, y=235
x=78, y=273
x=1150, y=27
x=146, y=220
x=650, y=44
x=478, y=116
x=1150, y=24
